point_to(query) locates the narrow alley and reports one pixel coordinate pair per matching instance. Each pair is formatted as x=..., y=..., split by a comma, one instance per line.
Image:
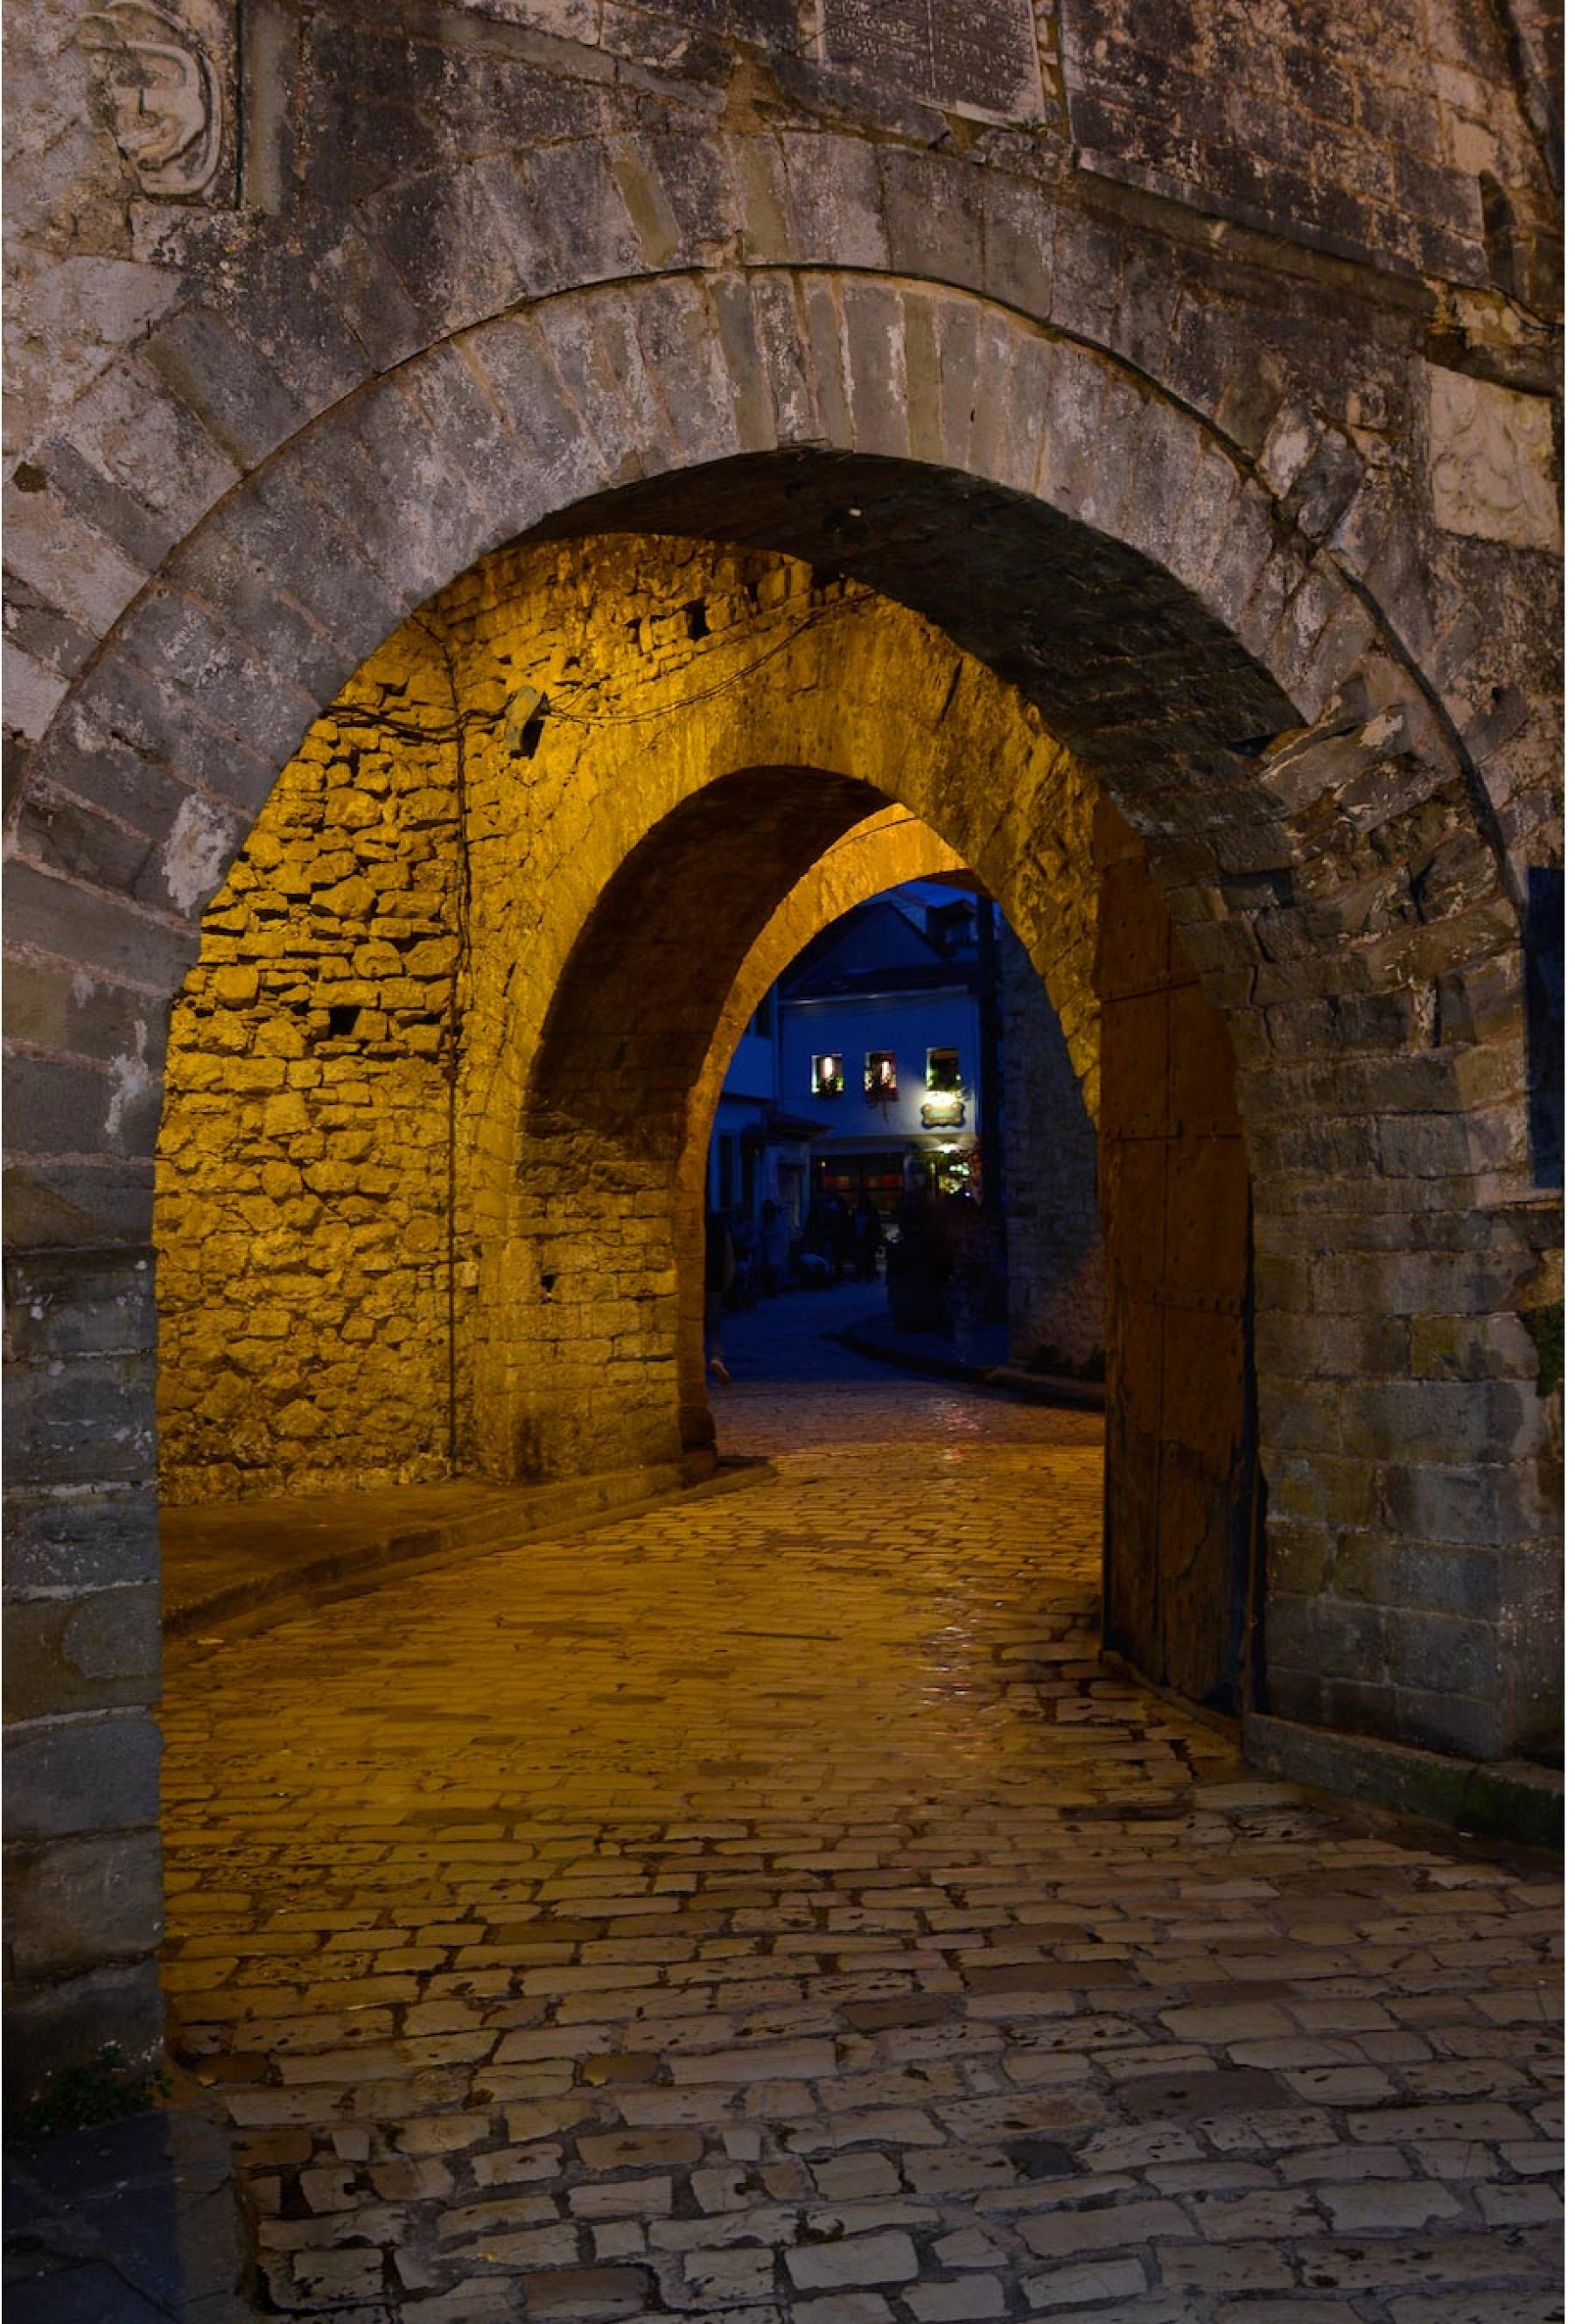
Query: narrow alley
x=770, y=1908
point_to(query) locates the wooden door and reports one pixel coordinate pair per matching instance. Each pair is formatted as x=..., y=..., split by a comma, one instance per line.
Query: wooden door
x=1181, y=1489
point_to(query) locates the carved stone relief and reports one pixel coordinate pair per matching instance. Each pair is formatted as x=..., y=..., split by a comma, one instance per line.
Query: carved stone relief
x=1490, y=453
x=163, y=78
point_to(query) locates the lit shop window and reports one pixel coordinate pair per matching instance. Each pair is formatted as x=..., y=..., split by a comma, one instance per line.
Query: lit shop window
x=879, y=1076
x=941, y=1070
x=826, y=1076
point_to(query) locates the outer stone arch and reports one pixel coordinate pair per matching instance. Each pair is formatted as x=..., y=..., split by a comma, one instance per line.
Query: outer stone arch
x=1316, y=835
x=1239, y=632
x=299, y=574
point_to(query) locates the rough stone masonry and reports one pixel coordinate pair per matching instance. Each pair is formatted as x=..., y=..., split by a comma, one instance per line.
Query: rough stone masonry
x=1183, y=376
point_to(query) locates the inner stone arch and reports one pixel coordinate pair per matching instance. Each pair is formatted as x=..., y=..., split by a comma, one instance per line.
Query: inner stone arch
x=608, y=1222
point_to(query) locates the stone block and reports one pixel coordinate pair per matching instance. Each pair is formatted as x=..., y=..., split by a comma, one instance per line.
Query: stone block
x=52, y=1205
x=682, y=196
x=1491, y=461
x=1490, y=1505
x=373, y=304
x=33, y=690
x=1326, y=1635
x=615, y=405
x=1458, y=1726
x=66, y=560
x=735, y=303
x=873, y=323
x=677, y=337
x=91, y=1651
x=1441, y=1654
x=80, y=1905
x=70, y=2022
x=94, y=928
x=277, y=538
x=581, y=217
x=284, y=309
x=230, y=388
x=1026, y=414
x=142, y=535
x=1301, y=1556
x=137, y=434
x=83, y=1774
x=824, y=332
x=934, y=209
x=587, y=2292
x=78, y=1539
x=764, y=202
x=181, y=647
x=1418, y=1577
x=1018, y=248
x=1440, y=1420
x=783, y=361
x=52, y=1007
x=88, y=1422
x=439, y=232
x=390, y=481
x=888, y=2258
x=1334, y=1347
x=86, y=760
x=60, y=1106
x=833, y=184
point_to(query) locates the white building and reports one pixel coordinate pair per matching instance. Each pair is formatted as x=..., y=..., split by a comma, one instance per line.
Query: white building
x=861, y=1071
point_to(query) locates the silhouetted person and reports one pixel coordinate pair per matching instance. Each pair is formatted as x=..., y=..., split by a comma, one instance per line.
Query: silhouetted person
x=967, y=1283
x=867, y=1238
x=831, y=1235
x=773, y=1247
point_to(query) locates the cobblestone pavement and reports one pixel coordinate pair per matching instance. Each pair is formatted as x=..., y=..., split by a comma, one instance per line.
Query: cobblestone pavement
x=769, y=1909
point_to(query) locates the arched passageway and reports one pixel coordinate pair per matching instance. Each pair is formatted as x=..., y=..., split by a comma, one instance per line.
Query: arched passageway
x=1325, y=858
x=478, y=1027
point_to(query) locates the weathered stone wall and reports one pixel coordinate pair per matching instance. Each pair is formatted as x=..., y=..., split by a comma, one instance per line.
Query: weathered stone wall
x=1055, y=1259
x=1292, y=229
x=1389, y=134
x=305, y=1188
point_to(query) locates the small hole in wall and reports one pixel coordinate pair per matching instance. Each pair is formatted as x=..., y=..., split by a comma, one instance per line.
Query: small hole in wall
x=343, y=1019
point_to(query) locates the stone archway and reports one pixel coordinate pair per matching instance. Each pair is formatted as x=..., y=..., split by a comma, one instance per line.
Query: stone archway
x=1321, y=844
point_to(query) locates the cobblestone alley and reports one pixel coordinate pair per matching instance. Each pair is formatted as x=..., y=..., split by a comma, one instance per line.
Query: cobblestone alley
x=766, y=1908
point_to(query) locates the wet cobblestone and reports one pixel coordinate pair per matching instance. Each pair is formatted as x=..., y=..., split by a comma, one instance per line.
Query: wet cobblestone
x=771, y=1910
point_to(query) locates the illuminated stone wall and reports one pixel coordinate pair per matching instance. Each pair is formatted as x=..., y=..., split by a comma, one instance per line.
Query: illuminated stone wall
x=305, y=1178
